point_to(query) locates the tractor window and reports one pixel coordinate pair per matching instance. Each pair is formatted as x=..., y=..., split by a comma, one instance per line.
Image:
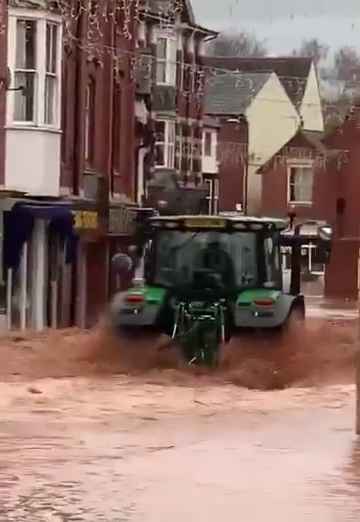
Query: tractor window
x=180, y=254
x=273, y=273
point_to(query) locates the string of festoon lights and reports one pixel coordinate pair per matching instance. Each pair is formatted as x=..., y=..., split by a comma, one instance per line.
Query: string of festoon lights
x=123, y=14
x=199, y=74
x=3, y=15
x=100, y=12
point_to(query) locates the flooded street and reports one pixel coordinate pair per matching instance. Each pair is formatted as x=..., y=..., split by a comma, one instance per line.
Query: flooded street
x=166, y=445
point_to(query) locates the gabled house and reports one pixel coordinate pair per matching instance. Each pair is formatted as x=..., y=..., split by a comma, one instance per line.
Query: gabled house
x=298, y=76
x=302, y=177
x=316, y=180
x=261, y=100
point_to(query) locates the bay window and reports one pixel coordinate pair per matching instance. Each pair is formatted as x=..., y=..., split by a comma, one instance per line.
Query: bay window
x=34, y=42
x=165, y=143
x=300, y=184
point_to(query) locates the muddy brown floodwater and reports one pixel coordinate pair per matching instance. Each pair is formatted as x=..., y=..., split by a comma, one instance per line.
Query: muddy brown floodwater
x=86, y=435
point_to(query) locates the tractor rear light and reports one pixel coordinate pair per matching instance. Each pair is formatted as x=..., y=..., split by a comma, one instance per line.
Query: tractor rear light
x=264, y=302
x=135, y=298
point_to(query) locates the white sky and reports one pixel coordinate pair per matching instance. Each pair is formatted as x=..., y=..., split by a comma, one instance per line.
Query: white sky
x=285, y=23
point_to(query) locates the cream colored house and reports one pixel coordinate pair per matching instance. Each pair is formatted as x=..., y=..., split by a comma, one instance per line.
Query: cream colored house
x=276, y=95
x=271, y=116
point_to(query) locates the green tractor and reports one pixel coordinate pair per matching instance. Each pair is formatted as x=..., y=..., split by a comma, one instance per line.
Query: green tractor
x=205, y=279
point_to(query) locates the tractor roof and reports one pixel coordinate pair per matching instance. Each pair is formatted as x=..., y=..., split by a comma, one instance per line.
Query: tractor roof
x=219, y=222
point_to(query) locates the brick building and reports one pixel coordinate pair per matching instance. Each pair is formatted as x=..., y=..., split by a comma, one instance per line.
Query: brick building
x=318, y=179
x=70, y=102
x=343, y=274
x=172, y=92
x=98, y=120
x=302, y=176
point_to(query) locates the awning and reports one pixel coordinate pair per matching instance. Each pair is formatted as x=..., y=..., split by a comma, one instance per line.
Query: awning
x=19, y=223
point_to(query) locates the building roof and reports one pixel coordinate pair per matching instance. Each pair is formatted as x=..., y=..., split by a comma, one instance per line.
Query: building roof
x=187, y=13
x=315, y=139
x=232, y=93
x=311, y=139
x=292, y=71
x=208, y=121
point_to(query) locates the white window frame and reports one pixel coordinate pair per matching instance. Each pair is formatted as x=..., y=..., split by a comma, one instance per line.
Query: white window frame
x=179, y=137
x=307, y=166
x=168, y=143
x=51, y=73
x=213, y=196
x=42, y=18
x=32, y=71
x=169, y=60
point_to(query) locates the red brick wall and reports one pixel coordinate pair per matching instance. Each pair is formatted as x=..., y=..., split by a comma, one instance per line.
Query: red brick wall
x=341, y=278
x=275, y=194
x=348, y=138
x=3, y=74
x=78, y=68
x=325, y=188
x=232, y=145
x=342, y=273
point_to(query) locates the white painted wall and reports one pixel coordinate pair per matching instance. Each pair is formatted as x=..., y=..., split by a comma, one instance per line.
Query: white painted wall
x=32, y=161
x=311, y=109
x=209, y=163
x=273, y=121
x=38, y=293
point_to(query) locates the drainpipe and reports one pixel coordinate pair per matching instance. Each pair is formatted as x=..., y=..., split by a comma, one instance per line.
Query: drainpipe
x=78, y=112
x=111, y=115
x=246, y=168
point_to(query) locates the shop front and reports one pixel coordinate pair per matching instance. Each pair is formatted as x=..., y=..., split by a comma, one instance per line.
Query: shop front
x=39, y=247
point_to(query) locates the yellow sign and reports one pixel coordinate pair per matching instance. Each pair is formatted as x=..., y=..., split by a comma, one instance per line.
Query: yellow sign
x=86, y=220
x=205, y=222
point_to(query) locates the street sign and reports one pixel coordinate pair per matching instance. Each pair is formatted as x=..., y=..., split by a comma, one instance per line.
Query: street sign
x=86, y=220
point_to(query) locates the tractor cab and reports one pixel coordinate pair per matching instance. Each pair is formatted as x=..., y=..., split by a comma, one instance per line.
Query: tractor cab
x=191, y=253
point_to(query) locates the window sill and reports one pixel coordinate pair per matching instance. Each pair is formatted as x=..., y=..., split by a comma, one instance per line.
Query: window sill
x=161, y=84
x=301, y=203
x=32, y=127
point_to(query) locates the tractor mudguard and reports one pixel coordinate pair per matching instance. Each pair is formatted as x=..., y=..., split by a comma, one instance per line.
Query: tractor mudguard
x=137, y=307
x=264, y=308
